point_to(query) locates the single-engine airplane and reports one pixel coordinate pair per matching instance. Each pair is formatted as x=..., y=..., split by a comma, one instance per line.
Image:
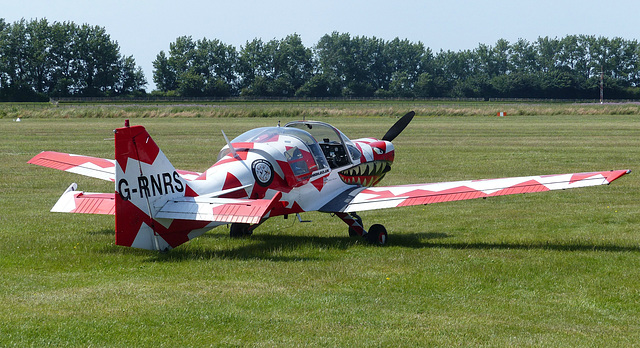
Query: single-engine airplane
x=265, y=172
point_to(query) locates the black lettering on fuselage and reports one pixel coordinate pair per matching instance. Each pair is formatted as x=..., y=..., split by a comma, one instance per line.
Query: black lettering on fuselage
x=179, y=185
x=143, y=186
x=123, y=190
x=166, y=178
x=155, y=185
x=152, y=185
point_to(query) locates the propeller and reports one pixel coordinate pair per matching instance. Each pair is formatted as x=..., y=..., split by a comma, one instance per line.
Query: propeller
x=399, y=126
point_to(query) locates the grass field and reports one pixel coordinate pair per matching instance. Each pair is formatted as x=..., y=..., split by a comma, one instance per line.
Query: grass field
x=550, y=269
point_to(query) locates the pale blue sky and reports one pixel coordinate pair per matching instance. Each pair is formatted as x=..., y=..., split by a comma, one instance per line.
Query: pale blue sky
x=143, y=28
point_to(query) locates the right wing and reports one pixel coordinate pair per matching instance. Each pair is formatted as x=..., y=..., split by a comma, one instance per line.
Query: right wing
x=369, y=198
x=95, y=167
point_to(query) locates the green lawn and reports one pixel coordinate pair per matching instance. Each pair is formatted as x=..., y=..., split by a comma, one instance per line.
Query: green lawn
x=548, y=269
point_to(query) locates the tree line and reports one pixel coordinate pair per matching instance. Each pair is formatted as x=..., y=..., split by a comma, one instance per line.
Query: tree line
x=39, y=59
x=340, y=65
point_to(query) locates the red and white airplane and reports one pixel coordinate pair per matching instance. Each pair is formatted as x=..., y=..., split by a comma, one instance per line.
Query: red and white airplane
x=265, y=172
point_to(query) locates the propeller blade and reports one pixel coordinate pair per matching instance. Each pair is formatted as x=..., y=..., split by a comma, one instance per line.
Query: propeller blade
x=398, y=127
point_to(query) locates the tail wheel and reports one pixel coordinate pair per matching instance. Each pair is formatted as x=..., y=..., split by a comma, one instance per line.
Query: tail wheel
x=239, y=230
x=377, y=235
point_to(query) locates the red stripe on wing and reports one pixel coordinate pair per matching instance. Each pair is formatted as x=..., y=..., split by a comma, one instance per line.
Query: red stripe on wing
x=65, y=161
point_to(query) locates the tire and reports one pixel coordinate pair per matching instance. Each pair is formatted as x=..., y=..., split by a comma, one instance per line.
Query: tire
x=377, y=235
x=239, y=230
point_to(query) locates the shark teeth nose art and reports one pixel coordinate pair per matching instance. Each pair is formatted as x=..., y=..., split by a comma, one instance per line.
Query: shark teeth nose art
x=365, y=174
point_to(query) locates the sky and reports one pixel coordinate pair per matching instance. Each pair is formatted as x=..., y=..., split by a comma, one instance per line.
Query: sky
x=143, y=28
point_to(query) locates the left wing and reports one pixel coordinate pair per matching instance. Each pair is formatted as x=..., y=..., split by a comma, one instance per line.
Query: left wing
x=94, y=167
x=361, y=199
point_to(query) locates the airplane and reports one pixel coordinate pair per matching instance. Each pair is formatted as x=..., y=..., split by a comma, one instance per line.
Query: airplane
x=263, y=173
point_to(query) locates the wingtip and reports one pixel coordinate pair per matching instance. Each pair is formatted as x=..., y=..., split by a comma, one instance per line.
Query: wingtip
x=616, y=174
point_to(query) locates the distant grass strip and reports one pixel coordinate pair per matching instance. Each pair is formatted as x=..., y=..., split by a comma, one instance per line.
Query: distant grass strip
x=308, y=109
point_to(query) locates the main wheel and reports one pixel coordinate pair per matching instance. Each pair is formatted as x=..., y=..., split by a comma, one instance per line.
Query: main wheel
x=352, y=232
x=377, y=235
x=239, y=230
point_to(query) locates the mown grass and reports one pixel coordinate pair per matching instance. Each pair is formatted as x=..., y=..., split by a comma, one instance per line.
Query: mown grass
x=549, y=269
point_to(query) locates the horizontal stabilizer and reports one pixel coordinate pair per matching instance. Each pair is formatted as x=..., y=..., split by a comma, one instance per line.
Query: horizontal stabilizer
x=227, y=210
x=73, y=201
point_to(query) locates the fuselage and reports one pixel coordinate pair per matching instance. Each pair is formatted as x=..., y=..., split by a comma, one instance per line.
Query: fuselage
x=309, y=162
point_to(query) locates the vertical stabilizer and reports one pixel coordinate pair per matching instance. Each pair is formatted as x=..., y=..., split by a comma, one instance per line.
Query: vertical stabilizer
x=145, y=180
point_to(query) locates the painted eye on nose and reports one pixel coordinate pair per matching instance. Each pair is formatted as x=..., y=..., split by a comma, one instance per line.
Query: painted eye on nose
x=378, y=151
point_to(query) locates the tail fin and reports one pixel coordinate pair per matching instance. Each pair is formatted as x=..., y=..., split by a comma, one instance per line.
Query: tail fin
x=145, y=181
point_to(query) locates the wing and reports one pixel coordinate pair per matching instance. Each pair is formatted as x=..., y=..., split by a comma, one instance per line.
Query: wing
x=228, y=210
x=94, y=167
x=362, y=199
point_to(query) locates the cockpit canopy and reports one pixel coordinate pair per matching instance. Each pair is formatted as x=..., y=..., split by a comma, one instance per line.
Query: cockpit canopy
x=307, y=146
x=298, y=147
x=336, y=147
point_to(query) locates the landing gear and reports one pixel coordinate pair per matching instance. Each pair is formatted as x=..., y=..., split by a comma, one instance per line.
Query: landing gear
x=239, y=230
x=377, y=234
x=352, y=231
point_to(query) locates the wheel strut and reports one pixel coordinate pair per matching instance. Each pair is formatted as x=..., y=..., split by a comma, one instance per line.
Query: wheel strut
x=377, y=234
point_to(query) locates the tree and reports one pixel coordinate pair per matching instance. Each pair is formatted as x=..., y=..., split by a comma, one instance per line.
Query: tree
x=548, y=50
x=523, y=57
x=61, y=54
x=320, y=85
x=37, y=68
x=401, y=85
x=215, y=62
x=131, y=77
x=96, y=62
x=164, y=74
x=335, y=59
x=364, y=65
x=196, y=68
x=294, y=63
x=425, y=86
x=356, y=63
x=254, y=67
x=276, y=68
x=15, y=60
x=39, y=59
x=406, y=62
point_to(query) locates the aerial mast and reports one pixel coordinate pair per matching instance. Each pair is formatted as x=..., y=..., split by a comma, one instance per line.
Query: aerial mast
x=601, y=84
